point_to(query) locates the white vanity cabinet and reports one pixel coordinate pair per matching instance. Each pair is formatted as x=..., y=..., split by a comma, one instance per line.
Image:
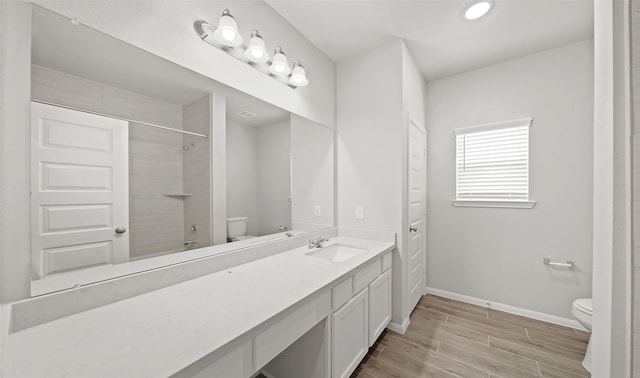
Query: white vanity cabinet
x=362, y=310
x=350, y=335
x=379, y=305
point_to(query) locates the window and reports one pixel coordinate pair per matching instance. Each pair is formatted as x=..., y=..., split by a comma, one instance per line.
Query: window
x=492, y=165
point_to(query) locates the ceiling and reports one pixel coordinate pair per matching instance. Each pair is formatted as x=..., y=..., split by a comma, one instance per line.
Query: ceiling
x=81, y=51
x=439, y=38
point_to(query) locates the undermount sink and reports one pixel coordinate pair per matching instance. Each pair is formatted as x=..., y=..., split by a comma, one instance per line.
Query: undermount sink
x=335, y=252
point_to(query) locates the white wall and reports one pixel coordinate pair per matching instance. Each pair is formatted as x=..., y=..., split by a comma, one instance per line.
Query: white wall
x=258, y=184
x=414, y=88
x=369, y=140
x=274, y=178
x=496, y=254
x=242, y=174
x=371, y=133
x=312, y=154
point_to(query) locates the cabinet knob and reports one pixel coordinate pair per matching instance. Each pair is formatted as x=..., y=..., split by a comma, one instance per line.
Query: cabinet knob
x=121, y=230
x=413, y=229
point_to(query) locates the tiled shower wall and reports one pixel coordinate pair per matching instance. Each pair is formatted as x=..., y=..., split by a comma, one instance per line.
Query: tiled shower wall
x=156, y=203
x=197, y=173
x=155, y=156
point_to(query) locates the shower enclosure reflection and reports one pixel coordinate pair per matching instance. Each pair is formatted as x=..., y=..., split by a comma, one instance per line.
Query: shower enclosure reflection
x=169, y=186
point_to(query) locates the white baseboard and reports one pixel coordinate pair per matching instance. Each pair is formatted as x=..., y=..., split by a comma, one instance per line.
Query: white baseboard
x=399, y=328
x=572, y=323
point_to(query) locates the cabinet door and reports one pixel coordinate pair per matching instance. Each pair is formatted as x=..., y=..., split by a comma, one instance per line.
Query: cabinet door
x=379, y=305
x=350, y=335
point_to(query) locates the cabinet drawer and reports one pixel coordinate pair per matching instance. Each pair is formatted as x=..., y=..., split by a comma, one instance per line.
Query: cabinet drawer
x=277, y=337
x=342, y=292
x=386, y=261
x=364, y=276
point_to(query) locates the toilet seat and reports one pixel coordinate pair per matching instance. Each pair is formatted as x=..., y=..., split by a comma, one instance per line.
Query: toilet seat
x=584, y=305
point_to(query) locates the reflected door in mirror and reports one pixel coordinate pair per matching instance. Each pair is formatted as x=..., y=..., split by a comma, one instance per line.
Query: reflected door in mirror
x=79, y=189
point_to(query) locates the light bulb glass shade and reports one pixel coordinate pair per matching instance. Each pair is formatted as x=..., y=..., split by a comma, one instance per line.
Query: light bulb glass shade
x=298, y=76
x=279, y=65
x=227, y=31
x=256, y=51
x=477, y=10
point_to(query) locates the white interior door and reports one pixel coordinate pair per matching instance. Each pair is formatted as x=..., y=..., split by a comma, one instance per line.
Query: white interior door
x=417, y=212
x=79, y=189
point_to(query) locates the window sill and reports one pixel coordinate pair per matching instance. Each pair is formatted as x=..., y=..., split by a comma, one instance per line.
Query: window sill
x=491, y=203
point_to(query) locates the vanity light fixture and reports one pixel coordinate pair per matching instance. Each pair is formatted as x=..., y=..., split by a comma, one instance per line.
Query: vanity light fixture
x=227, y=31
x=477, y=9
x=279, y=66
x=256, y=51
x=298, y=76
x=227, y=38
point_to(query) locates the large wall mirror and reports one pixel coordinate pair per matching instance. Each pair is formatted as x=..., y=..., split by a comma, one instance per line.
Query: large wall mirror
x=139, y=163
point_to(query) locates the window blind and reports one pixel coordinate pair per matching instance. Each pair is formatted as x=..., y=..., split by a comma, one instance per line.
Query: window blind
x=492, y=162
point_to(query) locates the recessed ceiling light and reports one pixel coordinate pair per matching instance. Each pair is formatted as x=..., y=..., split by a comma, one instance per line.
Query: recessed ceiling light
x=477, y=10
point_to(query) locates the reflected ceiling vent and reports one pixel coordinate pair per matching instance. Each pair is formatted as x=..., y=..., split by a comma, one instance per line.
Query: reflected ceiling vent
x=246, y=114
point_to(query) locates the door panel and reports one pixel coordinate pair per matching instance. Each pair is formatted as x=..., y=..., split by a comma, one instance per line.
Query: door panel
x=66, y=177
x=72, y=257
x=79, y=189
x=66, y=218
x=417, y=213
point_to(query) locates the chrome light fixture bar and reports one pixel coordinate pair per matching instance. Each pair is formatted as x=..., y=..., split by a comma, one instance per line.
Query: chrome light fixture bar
x=227, y=38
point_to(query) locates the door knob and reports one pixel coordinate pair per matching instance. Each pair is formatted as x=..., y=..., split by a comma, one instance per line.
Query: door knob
x=121, y=230
x=413, y=229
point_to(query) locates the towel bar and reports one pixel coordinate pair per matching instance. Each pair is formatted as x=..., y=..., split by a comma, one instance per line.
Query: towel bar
x=569, y=264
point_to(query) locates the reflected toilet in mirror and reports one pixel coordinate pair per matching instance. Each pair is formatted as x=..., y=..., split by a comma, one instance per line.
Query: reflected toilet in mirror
x=237, y=229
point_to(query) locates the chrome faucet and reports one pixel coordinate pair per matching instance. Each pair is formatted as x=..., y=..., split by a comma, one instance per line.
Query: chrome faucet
x=317, y=242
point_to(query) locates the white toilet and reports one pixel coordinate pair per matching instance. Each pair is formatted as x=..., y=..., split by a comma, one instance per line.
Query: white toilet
x=237, y=229
x=582, y=309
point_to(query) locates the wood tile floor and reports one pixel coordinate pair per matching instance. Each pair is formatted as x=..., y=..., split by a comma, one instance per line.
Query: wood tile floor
x=448, y=338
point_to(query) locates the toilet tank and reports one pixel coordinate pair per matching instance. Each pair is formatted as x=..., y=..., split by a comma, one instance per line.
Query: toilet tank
x=237, y=226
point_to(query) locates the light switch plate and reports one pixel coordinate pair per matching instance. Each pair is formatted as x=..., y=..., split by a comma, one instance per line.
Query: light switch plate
x=316, y=210
x=359, y=212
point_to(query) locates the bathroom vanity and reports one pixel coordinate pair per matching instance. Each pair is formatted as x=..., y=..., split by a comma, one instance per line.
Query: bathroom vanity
x=331, y=302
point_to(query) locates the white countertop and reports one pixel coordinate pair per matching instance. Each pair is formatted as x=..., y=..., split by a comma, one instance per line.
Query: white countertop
x=71, y=278
x=159, y=333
